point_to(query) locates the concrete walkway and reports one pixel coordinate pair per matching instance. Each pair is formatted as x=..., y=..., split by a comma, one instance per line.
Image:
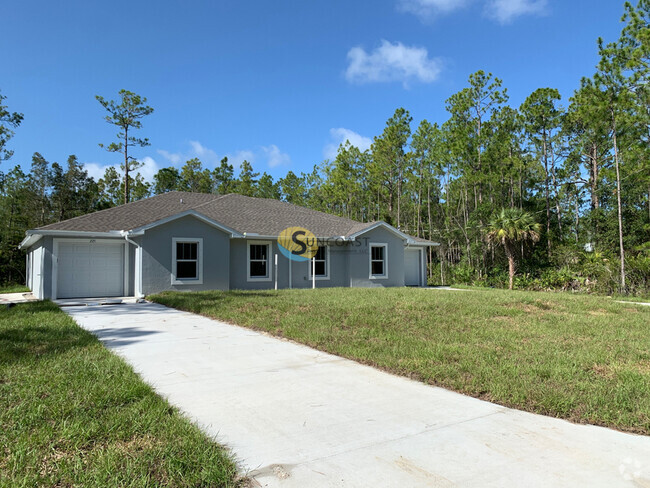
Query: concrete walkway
x=7, y=298
x=296, y=417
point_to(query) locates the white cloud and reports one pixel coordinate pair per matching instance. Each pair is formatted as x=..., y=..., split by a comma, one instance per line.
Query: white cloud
x=392, y=62
x=339, y=135
x=275, y=157
x=196, y=150
x=505, y=11
x=237, y=158
x=272, y=155
x=427, y=9
x=148, y=169
x=174, y=158
x=95, y=170
x=207, y=156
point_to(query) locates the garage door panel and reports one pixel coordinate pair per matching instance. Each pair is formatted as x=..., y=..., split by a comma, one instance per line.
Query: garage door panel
x=90, y=269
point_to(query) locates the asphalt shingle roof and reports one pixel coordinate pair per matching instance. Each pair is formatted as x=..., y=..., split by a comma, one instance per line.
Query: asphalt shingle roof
x=262, y=216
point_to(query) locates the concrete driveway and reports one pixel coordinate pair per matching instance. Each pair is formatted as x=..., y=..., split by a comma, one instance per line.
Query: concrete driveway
x=296, y=417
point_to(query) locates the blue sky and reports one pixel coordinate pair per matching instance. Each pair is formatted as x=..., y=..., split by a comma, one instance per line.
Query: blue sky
x=278, y=83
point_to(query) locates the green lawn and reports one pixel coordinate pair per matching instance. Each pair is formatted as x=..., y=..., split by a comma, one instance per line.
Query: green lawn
x=74, y=414
x=582, y=358
x=13, y=289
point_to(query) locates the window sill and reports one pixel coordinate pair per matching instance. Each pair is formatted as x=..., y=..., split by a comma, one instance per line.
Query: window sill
x=188, y=281
x=253, y=278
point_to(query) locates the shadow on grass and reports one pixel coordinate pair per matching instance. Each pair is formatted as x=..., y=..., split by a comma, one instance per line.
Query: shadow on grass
x=28, y=343
x=36, y=330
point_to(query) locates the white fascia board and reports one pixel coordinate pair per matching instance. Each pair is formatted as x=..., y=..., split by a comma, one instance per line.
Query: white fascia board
x=323, y=238
x=252, y=235
x=193, y=213
x=414, y=243
x=33, y=236
x=29, y=240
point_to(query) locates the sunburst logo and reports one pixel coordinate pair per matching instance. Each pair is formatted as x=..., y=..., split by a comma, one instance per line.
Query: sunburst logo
x=298, y=243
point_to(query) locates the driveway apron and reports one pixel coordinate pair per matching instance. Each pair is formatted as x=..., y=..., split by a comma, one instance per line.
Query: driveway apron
x=297, y=417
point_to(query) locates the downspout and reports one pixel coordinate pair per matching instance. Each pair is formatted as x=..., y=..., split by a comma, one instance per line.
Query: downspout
x=137, y=266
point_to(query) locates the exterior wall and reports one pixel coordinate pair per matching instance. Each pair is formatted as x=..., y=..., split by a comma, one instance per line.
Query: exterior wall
x=47, y=258
x=300, y=275
x=48, y=245
x=238, y=266
x=224, y=261
x=422, y=264
x=349, y=264
x=35, y=271
x=360, y=259
x=157, y=256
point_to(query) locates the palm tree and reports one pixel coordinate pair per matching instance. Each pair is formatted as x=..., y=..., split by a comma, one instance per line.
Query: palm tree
x=510, y=227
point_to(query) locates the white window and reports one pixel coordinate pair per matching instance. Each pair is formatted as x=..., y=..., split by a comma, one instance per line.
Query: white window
x=378, y=261
x=258, y=264
x=322, y=259
x=187, y=261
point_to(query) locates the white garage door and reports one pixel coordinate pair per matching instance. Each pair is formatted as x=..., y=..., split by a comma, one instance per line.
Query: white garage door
x=90, y=269
x=412, y=268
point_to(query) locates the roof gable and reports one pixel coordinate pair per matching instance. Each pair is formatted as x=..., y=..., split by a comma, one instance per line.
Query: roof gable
x=190, y=213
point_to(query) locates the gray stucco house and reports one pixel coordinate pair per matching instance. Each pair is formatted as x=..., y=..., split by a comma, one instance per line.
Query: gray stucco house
x=195, y=241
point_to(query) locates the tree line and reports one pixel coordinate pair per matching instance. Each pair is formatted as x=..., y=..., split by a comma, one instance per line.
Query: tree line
x=579, y=168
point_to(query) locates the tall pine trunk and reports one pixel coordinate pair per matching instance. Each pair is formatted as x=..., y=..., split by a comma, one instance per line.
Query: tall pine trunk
x=548, y=200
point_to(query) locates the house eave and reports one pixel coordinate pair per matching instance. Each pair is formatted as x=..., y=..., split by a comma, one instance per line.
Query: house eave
x=33, y=236
x=414, y=243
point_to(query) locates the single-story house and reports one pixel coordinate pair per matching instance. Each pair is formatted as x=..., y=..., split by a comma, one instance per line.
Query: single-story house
x=196, y=241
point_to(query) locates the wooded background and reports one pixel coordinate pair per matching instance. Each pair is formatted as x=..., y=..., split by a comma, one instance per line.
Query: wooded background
x=581, y=168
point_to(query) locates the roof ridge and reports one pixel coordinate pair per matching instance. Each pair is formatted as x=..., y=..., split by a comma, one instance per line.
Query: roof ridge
x=300, y=207
x=216, y=197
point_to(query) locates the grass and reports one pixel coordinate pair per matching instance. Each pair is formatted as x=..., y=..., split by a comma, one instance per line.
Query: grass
x=13, y=289
x=581, y=358
x=74, y=414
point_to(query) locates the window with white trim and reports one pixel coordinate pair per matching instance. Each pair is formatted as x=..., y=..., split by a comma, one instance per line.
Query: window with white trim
x=378, y=261
x=258, y=265
x=187, y=261
x=322, y=263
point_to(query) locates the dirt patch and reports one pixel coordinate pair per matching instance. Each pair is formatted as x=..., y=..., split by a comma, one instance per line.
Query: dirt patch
x=547, y=305
x=642, y=366
x=604, y=371
x=506, y=319
x=599, y=312
x=140, y=443
x=50, y=462
x=536, y=306
x=524, y=307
